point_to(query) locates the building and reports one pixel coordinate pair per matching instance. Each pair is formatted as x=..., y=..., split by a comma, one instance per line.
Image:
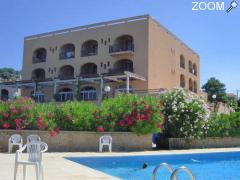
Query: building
x=132, y=54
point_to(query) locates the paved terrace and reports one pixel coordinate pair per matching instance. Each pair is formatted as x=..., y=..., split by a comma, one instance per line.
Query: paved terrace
x=58, y=168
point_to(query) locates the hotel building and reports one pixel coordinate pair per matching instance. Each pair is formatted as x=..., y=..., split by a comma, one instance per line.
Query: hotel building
x=135, y=54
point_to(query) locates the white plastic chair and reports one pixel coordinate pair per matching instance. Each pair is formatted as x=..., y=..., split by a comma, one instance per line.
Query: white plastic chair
x=35, y=151
x=15, y=140
x=105, y=140
x=33, y=138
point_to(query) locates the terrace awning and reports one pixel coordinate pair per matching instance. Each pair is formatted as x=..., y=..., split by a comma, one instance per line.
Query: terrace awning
x=99, y=79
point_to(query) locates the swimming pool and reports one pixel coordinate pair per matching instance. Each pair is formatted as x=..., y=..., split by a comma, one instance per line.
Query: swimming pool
x=205, y=166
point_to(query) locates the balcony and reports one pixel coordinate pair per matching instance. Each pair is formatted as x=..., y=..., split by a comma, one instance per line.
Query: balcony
x=89, y=48
x=117, y=49
x=86, y=53
x=38, y=60
x=118, y=71
x=67, y=55
x=67, y=51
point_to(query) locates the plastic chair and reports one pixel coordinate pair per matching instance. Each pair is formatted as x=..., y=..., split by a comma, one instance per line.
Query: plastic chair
x=105, y=140
x=15, y=140
x=33, y=138
x=35, y=151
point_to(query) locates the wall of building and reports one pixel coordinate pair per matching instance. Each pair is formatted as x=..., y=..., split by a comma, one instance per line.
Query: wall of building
x=70, y=141
x=164, y=51
x=156, y=55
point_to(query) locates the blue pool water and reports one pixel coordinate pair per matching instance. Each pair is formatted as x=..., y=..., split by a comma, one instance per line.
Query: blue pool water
x=208, y=166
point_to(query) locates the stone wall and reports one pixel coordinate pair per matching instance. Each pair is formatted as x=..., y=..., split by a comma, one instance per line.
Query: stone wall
x=181, y=143
x=73, y=141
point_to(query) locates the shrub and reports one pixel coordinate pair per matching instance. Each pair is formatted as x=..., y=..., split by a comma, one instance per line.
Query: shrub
x=16, y=114
x=141, y=115
x=187, y=114
x=224, y=125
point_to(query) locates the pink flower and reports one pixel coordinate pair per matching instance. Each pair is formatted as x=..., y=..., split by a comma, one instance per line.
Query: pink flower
x=18, y=122
x=5, y=115
x=14, y=111
x=127, y=117
x=57, y=130
x=143, y=117
x=121, y=123
x=40, y=118
x=159, y=126
x=100, y=129
x=6, y=125
x=40, y=123
x=129, y=122
x=52, y=133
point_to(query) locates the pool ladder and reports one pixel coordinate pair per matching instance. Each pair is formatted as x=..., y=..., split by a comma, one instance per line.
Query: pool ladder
x=173, y=172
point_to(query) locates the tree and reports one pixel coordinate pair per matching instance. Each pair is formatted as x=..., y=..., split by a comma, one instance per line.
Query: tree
x=9, y=74
x=214, y=86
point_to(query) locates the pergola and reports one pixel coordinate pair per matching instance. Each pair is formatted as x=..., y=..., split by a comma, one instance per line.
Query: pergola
x=100, y=79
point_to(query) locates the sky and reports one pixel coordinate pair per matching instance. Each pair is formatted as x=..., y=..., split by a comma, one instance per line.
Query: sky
x=214, y=35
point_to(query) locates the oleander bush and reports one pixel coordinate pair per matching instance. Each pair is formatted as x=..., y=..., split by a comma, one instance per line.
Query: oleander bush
x=187, y=114
x=141, y=115
x=177, y=113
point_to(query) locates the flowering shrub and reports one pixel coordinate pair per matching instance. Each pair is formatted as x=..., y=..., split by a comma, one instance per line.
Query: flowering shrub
x=187, y=114
x=141, y=115
x=16, y=114
x=123, y=113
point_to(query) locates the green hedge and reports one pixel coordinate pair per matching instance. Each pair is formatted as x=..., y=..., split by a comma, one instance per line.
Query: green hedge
x=141, y=115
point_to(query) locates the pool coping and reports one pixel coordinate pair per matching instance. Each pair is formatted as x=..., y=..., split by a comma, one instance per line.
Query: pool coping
x=58, y=168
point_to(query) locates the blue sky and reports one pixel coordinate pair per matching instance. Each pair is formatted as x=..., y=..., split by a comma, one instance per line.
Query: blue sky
x=214, y=35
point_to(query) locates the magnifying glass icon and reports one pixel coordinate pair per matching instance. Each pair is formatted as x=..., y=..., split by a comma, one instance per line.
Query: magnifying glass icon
x=233, y=5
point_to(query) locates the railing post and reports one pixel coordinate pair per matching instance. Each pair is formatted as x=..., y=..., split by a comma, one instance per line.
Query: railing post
x=127, y=85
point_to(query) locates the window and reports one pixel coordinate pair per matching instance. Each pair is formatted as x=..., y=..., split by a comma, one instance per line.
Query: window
x=38, y=96
x=65, y=94
x=195, y=87
x=66, y=72
x=89, y=94
x=195, y=69
x=4, y=94
x=190, y=67
x=122, y=65
x=39, y=55
x=190, y=85
x=182, y=62
x=38, y=74
x=122, y=43
x=89, y=69
x=89, y=48
x=67, y=51
x=182, y=81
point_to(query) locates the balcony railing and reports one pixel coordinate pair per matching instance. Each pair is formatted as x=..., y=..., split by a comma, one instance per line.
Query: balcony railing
x=118, y=48
x=88, y=75
x=120, y=70
x=67, y=55
x=38, y=60
x=38, y=79
x=65, y=77
x=85, y=53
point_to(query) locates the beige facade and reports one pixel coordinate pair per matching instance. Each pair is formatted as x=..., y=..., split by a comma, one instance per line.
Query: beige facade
x=98, y=55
